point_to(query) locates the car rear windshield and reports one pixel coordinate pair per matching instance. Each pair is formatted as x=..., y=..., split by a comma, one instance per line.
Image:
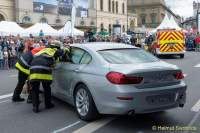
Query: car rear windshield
x=127, y=56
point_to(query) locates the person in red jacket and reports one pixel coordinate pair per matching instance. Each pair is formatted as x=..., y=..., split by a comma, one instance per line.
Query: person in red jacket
x=197, y=42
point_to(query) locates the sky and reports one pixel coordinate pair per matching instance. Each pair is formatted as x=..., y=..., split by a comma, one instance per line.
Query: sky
x=181, y=7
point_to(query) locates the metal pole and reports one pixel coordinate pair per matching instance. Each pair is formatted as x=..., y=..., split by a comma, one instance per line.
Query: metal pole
x=127, y=14
x=96, y=15
x=197, y=17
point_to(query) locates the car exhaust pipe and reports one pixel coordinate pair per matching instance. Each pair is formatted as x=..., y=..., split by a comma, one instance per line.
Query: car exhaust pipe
x=131, y=113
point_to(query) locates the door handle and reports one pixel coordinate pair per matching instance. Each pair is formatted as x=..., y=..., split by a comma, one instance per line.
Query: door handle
x=76, y=70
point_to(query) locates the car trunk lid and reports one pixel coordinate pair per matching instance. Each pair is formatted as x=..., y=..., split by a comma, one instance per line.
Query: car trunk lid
x=155, y=74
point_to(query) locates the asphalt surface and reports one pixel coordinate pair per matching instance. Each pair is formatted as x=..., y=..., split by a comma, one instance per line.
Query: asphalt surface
x=19, y=118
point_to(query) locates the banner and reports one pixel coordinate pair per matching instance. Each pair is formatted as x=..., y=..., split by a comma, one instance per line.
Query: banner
x=62, y=7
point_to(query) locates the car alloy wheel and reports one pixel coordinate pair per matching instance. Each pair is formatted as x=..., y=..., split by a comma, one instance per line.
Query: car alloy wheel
x=82, y=102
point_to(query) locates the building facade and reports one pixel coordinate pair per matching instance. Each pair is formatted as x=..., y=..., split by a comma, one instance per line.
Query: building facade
x=7, y=10
x=110, y=13
x=101, y=14
x=150, y=13
x=23, y=12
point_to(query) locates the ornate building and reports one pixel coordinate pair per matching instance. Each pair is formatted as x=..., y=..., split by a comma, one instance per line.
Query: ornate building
x=150, y=13
x=27, y=12
x=111, y=12
x=100, y=14
x=7, y=10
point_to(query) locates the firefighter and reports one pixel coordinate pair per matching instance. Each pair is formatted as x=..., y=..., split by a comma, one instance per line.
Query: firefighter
x=22, y=65
x=41, y=72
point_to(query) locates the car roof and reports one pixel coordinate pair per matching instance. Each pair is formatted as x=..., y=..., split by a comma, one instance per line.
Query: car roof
x=97, y=46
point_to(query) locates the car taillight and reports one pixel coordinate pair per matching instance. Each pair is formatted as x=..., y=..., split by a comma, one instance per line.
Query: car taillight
x=119, y=78
x=179, y=75
x=157, y=46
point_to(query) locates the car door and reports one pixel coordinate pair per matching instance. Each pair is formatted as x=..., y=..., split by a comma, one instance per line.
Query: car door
x=68, y=69
x=67, y=72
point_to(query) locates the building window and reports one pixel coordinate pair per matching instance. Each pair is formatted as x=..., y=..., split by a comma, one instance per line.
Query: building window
x=123, y=8
x=110, y=28
x=92, y=4
x=109, y=5
x=43, y=20
x=58, y=21
x=2, y=17
x=162, y=15
x=92, y=23
x=26, y=19
x=132, y=24
x=101, y=5
x=113, y=6
x=82, y=22
x=143, y=9
x=153, y=18
x=123, y=29
x=143, y=19
x=116, y=6
x=102, y=27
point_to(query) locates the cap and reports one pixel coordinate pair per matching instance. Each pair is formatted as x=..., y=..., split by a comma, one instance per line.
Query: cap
x=56, y=44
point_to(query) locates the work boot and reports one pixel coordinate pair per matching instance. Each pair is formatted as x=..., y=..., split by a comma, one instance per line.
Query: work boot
x=36, y=109
x=49, y=106
x=29, y=101
x=17, y=99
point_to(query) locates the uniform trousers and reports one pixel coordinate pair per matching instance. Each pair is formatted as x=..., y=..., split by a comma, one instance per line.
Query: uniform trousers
x=36, y=89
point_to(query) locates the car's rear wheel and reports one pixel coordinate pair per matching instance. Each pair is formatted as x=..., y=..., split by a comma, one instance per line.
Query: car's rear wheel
x=182, y=56
x=84, y=103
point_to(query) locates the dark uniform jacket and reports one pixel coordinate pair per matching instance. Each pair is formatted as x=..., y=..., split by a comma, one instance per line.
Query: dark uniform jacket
x=42, y=65
x=24, y=61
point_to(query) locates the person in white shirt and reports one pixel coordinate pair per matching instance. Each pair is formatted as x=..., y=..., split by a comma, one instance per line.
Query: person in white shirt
x=1, y=58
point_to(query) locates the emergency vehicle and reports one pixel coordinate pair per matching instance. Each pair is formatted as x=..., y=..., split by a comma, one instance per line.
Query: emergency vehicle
x=169, y=42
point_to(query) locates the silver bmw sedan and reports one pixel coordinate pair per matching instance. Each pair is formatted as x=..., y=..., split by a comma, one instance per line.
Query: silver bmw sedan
x=112, y=78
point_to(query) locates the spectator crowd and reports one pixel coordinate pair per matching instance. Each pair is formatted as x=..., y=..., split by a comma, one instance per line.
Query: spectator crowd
x=12, y=47
x=193, y=42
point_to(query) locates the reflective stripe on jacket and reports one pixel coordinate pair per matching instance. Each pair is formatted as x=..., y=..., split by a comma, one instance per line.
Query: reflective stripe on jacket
x=23, y=63
x=41, y=77
x=20, y=68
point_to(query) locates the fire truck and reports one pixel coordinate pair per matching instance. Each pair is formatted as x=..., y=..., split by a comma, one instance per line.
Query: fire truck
x=169, y=42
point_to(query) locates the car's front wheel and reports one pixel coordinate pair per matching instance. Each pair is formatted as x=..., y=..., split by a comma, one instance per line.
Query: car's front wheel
x=182, y=56
x=85, y=106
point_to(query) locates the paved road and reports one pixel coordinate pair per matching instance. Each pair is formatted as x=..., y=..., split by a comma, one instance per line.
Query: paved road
x=19, y=118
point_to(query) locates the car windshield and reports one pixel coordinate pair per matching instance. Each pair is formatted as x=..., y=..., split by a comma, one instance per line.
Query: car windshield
x=127, y=56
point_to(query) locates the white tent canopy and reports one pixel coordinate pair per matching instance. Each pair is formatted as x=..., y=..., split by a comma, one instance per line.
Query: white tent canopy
x=36, y=28
x=10, y=28
x=167, y=24
x=164, y=25
x=67, y=30
x=174, y=24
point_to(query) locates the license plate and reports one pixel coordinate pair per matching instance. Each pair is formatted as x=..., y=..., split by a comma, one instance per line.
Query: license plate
x=160, y=99
x=171, y=44
x=161, y=77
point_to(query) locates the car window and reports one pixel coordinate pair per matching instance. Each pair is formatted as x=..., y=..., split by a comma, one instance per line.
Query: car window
x=127, y=56
x=86, y=59
x=76, y=55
